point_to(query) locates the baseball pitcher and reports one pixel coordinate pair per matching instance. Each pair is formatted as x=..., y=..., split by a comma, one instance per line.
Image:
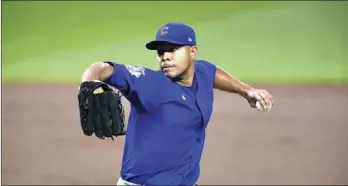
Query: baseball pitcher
x=170, y=108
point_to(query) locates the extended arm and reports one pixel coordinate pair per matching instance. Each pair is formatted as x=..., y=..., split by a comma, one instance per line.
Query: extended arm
x=226, y=82
x=257, y=98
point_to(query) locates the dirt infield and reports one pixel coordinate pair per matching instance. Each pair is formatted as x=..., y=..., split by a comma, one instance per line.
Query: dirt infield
x=303, y=140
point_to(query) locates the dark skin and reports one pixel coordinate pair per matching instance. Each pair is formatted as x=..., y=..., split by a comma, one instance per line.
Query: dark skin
x=178, y=63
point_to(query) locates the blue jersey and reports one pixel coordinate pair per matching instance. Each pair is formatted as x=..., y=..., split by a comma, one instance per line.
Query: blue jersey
x=167, y=123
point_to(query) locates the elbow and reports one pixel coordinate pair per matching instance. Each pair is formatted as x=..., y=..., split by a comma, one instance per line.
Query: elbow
x=100, y=71
x=98, y=65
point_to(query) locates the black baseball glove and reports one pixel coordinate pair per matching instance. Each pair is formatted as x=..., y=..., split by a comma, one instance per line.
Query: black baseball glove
x=100, y=113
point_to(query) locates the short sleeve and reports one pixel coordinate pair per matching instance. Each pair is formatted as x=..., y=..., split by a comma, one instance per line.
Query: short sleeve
x=139, y=84
x=208, y=69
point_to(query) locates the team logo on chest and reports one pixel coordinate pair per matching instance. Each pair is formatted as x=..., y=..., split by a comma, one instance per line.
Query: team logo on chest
x=135, y=70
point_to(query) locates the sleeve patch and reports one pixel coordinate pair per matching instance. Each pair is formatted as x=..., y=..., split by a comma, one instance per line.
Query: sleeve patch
x=135, y=70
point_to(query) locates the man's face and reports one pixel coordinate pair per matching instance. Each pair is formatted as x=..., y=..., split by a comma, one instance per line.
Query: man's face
x=175, y=59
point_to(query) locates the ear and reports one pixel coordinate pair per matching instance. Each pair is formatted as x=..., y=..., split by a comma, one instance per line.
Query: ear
x=193, y=52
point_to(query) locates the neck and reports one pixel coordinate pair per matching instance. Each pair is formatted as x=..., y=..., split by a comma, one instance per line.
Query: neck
x=186, y=79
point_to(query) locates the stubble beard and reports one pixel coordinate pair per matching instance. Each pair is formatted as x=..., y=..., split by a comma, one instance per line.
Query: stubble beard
x=182, y=77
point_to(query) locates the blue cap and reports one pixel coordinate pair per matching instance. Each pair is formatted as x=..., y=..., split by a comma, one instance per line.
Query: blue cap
x=176, y=33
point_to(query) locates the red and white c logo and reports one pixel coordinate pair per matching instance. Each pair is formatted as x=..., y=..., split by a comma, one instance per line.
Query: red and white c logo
x=164, y=30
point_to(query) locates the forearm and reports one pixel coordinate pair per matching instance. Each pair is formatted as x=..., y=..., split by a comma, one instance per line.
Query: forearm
x=97, y=71
x=226, y=82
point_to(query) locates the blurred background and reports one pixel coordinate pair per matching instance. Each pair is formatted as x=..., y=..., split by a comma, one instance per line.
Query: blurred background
x=256, y=41
x=297, y=50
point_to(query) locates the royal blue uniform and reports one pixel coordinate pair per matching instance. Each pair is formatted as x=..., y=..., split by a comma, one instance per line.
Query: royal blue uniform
x=167, y=123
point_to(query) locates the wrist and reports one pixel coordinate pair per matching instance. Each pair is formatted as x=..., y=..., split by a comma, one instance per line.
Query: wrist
x=244, y=90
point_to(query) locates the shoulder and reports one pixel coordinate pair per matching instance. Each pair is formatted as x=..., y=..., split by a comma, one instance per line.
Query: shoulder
x=205, y=71
x=141, y=73
x=136, y=78
x=136, y=71
x=205, y=66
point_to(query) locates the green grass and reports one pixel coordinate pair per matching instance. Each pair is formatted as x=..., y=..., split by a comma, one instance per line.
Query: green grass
x=258, y=42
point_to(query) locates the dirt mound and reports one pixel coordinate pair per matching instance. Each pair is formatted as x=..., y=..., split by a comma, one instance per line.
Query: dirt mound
x=302, y=141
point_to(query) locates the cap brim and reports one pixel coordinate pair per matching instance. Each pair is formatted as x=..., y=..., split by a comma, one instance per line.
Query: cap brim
x=153, y=45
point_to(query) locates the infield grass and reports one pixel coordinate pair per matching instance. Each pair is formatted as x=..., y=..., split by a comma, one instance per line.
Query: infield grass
x=258, y=42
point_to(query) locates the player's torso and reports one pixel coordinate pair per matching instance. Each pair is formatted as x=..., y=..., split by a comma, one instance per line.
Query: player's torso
x=168, y=140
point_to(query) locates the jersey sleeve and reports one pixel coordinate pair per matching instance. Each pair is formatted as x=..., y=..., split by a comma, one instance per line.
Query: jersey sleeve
x=139, y=85
x=208, y=69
